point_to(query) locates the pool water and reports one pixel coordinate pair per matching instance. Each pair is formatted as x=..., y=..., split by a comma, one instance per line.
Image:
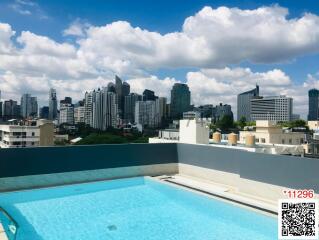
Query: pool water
x=132, y=208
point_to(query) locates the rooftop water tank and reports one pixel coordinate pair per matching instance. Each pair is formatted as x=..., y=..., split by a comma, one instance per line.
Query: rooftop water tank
x=232, y=139
x=217, y=137
x=250, y=140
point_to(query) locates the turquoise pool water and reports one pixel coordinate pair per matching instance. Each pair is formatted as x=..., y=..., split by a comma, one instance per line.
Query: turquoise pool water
x=133, y=208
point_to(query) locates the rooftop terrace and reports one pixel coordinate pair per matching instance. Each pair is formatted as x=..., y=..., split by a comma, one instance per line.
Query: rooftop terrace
x=253, y=179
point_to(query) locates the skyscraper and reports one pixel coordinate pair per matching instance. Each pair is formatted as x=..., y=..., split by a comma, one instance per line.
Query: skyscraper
x=180, y=100
x=34, y=107
x=313, y=105
x=29, y=106
x=53, y=104
x=122, y=90
x=162, y=101
x=10, y=109
x=104, y=108
x=243, y=103
x=129, y=107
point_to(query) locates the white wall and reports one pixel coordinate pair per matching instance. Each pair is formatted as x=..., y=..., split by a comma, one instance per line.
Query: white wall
x=193, y=131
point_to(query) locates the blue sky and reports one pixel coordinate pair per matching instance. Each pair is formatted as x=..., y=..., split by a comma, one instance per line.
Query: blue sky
x=52, y=18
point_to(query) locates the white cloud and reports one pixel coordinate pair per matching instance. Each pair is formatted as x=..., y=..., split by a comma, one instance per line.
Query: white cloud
x=6, y=33
x=162, y=87
x=210, y=38
x=223, y=85
x=77, y=28
x=209, y=41
x=28, y=8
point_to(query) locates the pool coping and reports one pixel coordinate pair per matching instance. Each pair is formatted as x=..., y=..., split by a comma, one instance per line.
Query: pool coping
x=232, y=198
x=3, y=235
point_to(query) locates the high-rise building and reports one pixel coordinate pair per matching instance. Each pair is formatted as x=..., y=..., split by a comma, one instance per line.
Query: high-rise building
x=149, y=95
x=162, y=101
x=313, y=105
x=53, y=104
x=180, y=100
x=147, y=113
x=34, y=107
x=276, y=108
x=104, y=114
x=44, y=112
x=129, y=107
x=122, y=90
x=243, y=103
x=111, y=87
x=29, y=106
x=88, y=108
x=10, y=110
x=66, y=111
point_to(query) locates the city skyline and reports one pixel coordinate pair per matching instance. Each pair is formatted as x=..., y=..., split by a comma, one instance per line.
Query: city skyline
x=146, y=51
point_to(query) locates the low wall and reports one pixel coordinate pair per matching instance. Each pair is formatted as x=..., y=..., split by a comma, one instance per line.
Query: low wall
x=43, y=166
x=260, y=174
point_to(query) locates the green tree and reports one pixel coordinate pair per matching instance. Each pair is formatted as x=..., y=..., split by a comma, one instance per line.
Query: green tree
x=225, y=123
x=242, y=122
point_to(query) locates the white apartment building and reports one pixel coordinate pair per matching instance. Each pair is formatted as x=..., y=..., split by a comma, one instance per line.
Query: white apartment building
x=79, y=114
x=66, y=114
x=268, y=132
x=33, y=134
x=276, y=108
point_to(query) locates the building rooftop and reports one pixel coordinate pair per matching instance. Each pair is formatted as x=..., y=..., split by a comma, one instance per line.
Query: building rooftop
x=232, y=176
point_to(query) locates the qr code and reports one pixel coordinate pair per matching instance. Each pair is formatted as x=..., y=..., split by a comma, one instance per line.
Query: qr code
x=298, y=219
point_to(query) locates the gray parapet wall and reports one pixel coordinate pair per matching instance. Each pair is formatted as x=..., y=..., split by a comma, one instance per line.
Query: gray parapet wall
x=253, y=173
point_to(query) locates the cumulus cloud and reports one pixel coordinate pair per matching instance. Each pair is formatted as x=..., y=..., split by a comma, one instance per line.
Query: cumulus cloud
x=6, y=33
x=210, y=38
x=77, y=28
x=209, y=41
x=223, y=85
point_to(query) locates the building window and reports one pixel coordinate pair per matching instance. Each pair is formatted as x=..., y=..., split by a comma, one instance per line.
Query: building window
x=290, y=141
x=283, y=141
x=301, y=140
x=257, y=140
x=32, y=143
x=263, y=140
x=32, y=134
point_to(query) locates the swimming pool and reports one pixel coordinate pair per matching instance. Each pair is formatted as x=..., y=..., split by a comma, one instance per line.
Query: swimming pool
x=133, y=208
